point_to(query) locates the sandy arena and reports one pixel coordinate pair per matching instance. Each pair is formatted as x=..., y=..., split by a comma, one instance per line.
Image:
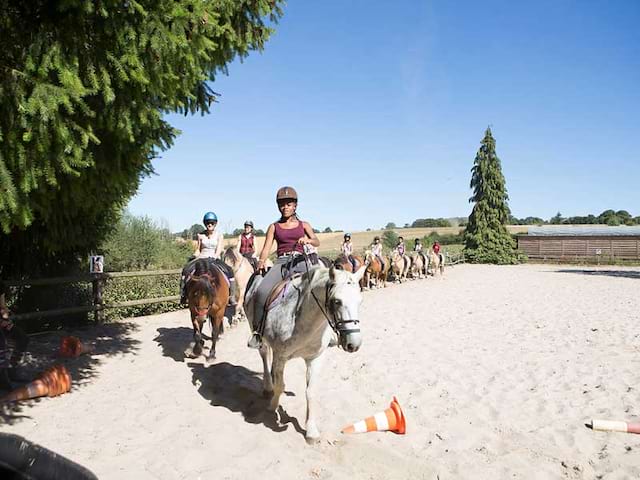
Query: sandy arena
x=497, y=369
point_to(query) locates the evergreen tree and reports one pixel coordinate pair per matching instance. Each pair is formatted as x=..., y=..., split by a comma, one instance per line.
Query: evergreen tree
x=84, y=85
x=486, y=238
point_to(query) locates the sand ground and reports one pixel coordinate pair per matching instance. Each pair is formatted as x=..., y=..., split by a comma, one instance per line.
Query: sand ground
x=497, y=369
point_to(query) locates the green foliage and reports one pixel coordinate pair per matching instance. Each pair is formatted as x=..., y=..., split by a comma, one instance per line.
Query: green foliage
x=327, y=230
x=192, y=232
x=431, y=222
x=389, y=239
x=84, y=87
x=138, y=243
x=486, y=237
x=135, y=288
x=390, y=225
x=448, y=239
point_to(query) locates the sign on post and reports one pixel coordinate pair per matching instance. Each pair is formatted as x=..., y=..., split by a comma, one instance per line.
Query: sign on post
x=96, y=264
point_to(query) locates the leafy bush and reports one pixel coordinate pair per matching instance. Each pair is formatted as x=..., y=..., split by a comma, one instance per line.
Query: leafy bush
x=136, y=288
x=389, y=239
x=138, y=243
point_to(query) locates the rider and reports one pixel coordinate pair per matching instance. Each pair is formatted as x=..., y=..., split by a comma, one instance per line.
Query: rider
x=291, y=235
x=376, y=249
x=9, y=364
x=418, y=249
x=400, y=246
x=246, y=244
x=210, y=244
x=436, y=249
x=347, y=250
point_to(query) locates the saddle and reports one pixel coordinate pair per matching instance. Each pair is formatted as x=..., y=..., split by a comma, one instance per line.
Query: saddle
x=279, y=291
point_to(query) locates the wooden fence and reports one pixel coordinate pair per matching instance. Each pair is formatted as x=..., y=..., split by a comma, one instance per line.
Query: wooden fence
x=609, y=248
x=98, y=281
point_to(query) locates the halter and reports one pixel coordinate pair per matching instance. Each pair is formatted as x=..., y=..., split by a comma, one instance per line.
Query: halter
x=208, y=307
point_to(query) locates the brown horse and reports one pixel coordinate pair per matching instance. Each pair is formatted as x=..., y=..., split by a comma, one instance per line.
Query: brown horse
x=207, y=296
x=343, y=263
x=375, y=272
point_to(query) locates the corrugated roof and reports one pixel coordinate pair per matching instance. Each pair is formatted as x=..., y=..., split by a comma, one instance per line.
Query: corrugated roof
x=583, y=230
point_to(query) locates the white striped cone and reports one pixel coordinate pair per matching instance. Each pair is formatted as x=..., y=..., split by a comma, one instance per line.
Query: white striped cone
x=392, y=419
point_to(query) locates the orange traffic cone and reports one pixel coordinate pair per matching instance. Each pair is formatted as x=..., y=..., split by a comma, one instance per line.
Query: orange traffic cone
x=73, y=347
x=392, y=420
x=53, y=382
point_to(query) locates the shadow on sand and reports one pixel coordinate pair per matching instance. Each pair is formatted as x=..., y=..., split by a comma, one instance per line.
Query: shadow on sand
x=605, y=273
x=240, y=390
x=223, y=384
x=106, y=340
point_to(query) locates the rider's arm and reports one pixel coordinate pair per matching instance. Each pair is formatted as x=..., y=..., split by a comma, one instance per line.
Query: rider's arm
x=220, y=245
x=312, y=240
x=239, y=243
x=266, y=248
x=197, y=251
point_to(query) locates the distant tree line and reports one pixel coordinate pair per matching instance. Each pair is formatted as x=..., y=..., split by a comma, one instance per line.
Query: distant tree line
x=608, y=217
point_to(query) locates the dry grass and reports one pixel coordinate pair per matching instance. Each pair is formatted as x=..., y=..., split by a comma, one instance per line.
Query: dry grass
x=330, y=242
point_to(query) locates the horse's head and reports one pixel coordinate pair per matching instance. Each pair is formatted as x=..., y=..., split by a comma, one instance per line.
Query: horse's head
x=200, y=295
x=343, y=303
x=231, y=258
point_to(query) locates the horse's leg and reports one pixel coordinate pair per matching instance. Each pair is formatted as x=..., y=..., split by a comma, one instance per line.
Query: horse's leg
x=195, y=349
x=313, y=371
x=267, y=383
x=217, y=325
x=277, y=374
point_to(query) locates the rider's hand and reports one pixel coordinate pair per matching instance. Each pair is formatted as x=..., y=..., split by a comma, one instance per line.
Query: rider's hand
x=303, y=240
x=260, y=265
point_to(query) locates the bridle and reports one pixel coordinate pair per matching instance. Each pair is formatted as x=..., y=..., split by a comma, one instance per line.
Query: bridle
x=201, y=312
x=340, y=327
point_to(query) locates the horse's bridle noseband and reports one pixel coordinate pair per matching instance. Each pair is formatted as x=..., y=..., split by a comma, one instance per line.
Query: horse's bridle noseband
x=338, y=326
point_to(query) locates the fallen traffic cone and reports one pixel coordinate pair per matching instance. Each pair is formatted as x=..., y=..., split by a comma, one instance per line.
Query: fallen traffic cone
x=53, y=382
x=612, y=426
x=392, y=420
x=73, y=347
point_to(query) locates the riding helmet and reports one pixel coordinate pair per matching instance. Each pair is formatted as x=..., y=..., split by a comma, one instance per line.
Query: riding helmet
x=209, y=217
x=376, y=238
x=287, y=193
x=248, y=222
x=347, y=235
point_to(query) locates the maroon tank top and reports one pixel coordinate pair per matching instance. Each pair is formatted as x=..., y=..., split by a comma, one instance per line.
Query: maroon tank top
x=287, y=239
x=246, y=243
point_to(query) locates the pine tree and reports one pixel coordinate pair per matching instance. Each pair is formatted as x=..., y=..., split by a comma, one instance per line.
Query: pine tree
x=486, y=238
x=84, y=85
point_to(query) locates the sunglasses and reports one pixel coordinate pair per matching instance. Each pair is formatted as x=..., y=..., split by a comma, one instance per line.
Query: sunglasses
x=210, y=223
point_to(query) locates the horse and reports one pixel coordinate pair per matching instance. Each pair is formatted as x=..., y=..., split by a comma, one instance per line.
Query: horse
x=207, y=295
x=343, y=263
x=242, y=271
x=400, y=265
x=311, y=311
x=417, y=265
x=375, y=272
x=436, y=263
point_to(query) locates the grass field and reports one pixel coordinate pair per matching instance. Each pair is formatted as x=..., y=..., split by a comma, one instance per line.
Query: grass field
x=330, y=242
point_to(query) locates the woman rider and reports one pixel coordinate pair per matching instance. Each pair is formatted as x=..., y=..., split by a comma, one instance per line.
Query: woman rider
x=290, y=234
x=246, y=244
x=347, y=250
x=210, y=244
x=376, y=249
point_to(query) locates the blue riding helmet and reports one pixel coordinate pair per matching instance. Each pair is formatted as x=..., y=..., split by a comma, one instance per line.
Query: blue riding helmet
x=209, y=217
x=347, y=235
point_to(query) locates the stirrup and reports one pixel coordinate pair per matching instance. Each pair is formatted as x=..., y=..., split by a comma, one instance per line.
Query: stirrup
x=255, y=341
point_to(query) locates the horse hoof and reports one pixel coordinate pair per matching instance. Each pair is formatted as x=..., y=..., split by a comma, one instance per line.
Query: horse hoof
x=211, y=359
x=315, y=440
x=190, y=354
x=267, y=393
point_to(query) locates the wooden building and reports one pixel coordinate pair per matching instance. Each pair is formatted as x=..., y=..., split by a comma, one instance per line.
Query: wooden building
x=584, y=242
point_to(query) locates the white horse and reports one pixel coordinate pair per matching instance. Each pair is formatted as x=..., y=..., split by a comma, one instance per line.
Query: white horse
x=314, y=308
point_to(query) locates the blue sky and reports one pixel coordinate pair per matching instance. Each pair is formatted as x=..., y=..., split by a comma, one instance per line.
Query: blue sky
x=374, y=110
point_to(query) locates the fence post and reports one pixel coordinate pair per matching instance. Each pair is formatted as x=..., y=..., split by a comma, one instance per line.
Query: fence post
x=97, y=283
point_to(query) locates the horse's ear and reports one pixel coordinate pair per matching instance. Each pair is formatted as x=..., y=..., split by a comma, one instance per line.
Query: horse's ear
x=360, y=273
x=332, y=273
